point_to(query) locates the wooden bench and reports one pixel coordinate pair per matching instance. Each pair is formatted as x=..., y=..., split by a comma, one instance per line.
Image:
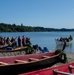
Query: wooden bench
x=20, y=61
x=70, y=68
x=56, y=72
x=3, y=63
x=33, y=59
x=45, y=57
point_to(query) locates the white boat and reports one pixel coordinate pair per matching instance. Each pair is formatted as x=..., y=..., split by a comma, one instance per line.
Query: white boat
x=61, y=40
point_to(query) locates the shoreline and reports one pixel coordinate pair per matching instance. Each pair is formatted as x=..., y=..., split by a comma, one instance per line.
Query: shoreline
x=70, y=58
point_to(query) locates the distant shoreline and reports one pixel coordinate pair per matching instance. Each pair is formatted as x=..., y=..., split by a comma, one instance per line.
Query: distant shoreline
x=22, y=28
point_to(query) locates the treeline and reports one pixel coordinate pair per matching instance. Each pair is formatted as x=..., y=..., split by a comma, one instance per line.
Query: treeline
x=21, y=28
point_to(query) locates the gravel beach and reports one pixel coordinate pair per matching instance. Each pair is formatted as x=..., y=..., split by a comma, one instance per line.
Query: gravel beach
x=70, y=58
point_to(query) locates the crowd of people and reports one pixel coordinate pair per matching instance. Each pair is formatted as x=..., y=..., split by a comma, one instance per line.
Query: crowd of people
x=18, y=41
x=66, y=39
x=24, y=41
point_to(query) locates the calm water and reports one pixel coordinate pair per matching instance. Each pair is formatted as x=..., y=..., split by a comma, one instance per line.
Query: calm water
x=44, y=39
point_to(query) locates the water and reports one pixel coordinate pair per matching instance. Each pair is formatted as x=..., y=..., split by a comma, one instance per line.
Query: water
x=43, y=39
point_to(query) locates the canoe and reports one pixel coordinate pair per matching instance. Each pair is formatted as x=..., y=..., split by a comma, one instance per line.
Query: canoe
x=65, y=69
x=61, y=40
x=16, y=50
x=13, y=52
x=26, y=63
x=14, y=65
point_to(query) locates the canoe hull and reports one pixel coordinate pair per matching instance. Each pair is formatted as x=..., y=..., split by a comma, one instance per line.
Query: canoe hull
x=31, y=66
x=50, y=71
x=14, y=52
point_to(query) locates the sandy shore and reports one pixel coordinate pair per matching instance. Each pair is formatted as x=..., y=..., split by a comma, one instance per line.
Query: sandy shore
x=70, y=58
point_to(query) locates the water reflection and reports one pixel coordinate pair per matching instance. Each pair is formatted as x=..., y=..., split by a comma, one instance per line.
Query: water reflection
x=67, y=49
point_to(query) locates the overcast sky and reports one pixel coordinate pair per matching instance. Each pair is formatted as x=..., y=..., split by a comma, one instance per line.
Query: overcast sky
x=44, y=13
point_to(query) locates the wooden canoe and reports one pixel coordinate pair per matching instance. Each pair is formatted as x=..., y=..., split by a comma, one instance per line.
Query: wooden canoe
x=66, y=69
x=13, y=65
x=13, y=52
x=58, y=42
x=61, y=40
x=26, y=63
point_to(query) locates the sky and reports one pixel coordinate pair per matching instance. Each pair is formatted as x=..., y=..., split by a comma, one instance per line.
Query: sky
x=43, y=13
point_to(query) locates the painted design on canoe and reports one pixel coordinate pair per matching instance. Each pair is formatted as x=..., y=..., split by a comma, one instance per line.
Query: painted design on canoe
x=22, y=52
x=13, y=52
